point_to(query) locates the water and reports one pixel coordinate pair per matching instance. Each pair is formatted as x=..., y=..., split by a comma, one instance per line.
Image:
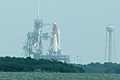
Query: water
x=56, y=76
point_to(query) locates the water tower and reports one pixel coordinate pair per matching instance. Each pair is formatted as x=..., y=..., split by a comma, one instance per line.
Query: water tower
x=109, y=42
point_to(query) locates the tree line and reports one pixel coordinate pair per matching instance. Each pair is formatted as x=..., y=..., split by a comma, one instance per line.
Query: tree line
x=13, y=64
x=107, y=67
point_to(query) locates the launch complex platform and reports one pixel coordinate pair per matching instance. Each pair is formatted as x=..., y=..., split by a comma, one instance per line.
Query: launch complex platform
x=33, y=46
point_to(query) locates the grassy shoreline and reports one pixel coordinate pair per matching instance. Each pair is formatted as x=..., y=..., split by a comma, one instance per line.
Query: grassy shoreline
x=56, y=76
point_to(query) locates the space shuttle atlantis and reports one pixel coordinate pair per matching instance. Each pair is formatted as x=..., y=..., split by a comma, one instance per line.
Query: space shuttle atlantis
x=55, y=41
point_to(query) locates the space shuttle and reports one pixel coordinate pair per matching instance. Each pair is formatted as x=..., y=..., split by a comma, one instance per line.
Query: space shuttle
x=55, y=40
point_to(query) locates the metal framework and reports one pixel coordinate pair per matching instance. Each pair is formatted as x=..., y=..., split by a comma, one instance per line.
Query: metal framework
x=34, y=43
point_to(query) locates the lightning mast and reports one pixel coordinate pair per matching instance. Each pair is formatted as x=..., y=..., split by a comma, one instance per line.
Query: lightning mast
x=38, y=13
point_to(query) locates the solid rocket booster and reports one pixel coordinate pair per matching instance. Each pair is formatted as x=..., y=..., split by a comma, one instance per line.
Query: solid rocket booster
x=59, y=37
x=55, y=43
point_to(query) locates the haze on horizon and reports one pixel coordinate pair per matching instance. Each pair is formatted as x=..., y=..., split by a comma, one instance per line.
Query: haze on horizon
x=82, y=23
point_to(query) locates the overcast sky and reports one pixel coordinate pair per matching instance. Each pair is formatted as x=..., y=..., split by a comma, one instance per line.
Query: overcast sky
x=82, y=24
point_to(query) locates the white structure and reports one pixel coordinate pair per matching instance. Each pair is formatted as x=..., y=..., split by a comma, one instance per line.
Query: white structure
x=109, y=36
x=54, y=48
x=34, y=42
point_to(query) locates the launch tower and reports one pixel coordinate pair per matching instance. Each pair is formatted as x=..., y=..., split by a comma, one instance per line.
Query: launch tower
x=33, y=46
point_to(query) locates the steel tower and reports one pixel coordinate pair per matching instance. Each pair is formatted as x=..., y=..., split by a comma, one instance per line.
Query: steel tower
x=109, y=36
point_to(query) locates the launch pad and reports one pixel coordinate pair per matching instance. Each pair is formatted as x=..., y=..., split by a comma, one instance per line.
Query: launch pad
x=33, y=46
x=64, y=58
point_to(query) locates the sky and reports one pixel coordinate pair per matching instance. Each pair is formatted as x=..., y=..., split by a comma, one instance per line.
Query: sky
x=82, y=24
